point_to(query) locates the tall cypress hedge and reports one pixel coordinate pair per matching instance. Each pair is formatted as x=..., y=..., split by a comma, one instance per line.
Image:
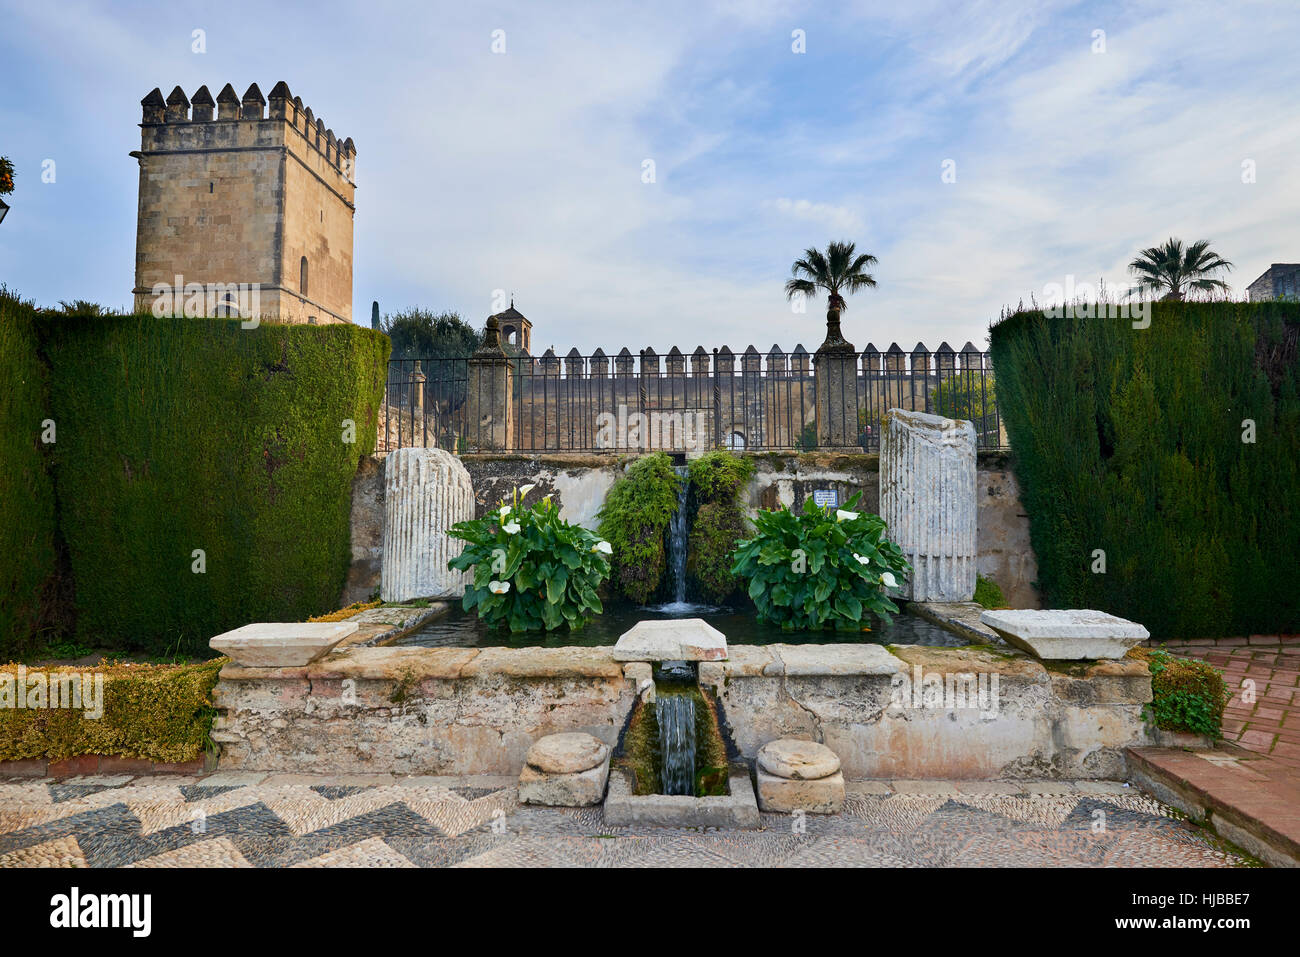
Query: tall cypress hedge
x=27, y=510
x=185, y=435
x=1131, y=442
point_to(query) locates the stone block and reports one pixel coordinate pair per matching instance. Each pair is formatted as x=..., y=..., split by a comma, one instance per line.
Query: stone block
x=784, y=795
x=574, y=789
x=1067, y=634
x=674, y=639
x=281, y=644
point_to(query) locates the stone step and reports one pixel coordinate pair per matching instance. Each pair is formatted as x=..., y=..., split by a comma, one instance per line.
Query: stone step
x=1246, y=798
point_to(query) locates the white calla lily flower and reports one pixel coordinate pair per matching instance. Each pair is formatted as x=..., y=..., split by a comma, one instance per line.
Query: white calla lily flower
x=842, y=515
x=503, y=511
x=525, y=489
x=603, y=547
x=498, y=588
x=510, y=528
x=862, y=559
x=887, y=579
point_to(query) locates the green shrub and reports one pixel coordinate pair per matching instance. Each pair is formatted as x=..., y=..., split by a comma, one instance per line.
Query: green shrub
x=1132, y=452
x=532, y=570
x=634, y=520
x=717, y=481
x=820, y=567
x=988, y=594
x=156, y=712
x=27, y=506
x=1187, y=694
x=966, y=395
x=204, y=471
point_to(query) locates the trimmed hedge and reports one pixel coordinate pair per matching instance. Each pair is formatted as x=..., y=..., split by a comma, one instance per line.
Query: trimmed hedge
x=177, y=435
x=27, y=509
x=157, y=712
x=1130, y=442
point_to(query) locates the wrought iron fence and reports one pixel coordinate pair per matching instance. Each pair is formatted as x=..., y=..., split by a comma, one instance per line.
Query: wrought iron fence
x=679, y=402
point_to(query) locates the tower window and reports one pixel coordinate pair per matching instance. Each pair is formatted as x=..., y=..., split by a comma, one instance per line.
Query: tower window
x=302, y=276
x=211, y=186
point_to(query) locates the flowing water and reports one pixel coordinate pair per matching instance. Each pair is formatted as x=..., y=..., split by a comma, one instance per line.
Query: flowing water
x=676, y=716
x=677, y=538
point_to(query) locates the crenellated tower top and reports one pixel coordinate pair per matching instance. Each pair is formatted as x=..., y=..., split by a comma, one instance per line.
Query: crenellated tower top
x=178, y=122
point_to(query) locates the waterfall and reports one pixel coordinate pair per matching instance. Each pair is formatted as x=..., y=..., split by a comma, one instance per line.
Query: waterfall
x=677, y=536
x=676, y=716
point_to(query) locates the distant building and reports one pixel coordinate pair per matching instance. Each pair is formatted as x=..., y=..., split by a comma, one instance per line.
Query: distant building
x=1280, y=281
x=516, y=330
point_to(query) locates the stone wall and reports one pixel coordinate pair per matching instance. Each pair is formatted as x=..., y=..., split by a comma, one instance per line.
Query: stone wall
x=580, y=482
x=477, y=711
x=416, y=710
x=1071, y=722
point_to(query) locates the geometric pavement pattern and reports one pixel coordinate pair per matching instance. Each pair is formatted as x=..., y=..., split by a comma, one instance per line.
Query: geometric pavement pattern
x=150, y=822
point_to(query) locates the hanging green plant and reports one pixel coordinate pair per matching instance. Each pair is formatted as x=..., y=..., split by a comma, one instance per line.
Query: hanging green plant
x=634, y=519
x=717, y=481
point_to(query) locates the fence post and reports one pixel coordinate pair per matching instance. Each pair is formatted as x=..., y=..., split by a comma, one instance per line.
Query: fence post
x=490, y=393
x=835, y=376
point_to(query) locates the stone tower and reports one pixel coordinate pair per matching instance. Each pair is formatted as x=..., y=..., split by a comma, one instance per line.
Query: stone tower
x=516, y=328
x=247, y=211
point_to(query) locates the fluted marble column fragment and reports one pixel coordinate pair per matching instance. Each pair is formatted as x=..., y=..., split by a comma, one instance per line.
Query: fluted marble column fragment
x=426, y=491
x=928, y=500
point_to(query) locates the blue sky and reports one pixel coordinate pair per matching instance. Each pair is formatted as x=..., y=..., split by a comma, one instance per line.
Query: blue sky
x=522, y=171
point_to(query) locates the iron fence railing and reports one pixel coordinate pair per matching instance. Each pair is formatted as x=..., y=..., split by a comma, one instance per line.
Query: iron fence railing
x=679, y=402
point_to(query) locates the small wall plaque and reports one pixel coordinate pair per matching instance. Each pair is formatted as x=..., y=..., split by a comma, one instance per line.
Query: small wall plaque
x=826, y=498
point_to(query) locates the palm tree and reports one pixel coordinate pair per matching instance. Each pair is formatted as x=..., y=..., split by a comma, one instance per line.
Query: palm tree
x=838, y=271
x=1177, y=270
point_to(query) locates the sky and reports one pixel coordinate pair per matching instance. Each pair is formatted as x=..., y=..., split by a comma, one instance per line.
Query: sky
x=984, y=151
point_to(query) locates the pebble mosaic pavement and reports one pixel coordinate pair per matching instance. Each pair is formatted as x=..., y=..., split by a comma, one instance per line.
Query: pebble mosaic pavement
x=255, y=820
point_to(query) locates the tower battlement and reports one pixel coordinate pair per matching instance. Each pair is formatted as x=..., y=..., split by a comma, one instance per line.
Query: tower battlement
x=249, y=189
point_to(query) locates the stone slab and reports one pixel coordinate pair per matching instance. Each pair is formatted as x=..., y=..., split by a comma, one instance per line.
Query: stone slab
x=580, y=789
x=841, y=659
x=673, y=639
x=786, y=795
x=797, y=759
x=281, y=644
x=623, y=808
x=567, y=753
x=1066, y=634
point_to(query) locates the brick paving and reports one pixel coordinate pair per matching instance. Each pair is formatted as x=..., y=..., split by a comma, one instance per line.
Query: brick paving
x=1270, y=723
x=254, y=820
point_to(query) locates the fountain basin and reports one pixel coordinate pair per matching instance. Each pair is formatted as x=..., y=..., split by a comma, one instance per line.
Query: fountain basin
x=624, y=808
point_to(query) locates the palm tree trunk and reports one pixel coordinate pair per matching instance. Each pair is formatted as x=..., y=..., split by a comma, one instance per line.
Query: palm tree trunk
x=835, y=341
